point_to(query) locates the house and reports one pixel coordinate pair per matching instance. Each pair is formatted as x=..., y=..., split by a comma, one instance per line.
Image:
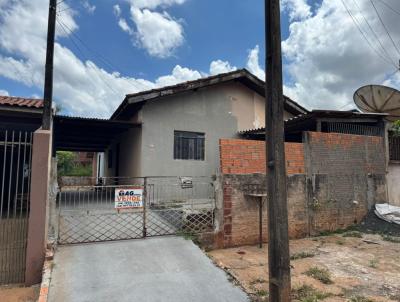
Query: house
x=182, y=124
x=18, y=113
x=328, y=121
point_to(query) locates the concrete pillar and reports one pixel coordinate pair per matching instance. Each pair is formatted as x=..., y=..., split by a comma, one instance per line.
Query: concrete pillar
x=53, y=216
x=39, y=206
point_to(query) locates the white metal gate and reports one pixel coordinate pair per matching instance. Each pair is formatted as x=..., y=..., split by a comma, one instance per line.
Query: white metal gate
x=171, y=205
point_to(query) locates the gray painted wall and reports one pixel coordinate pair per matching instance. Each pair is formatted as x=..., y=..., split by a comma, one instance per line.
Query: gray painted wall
x=207, y=110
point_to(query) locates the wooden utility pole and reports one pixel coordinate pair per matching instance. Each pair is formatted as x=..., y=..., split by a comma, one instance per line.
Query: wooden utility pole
x=278, y=242
x=48, y=79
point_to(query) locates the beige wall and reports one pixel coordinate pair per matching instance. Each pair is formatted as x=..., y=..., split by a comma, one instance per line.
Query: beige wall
x=393, y=182
x=247, y=106
x=218, y=111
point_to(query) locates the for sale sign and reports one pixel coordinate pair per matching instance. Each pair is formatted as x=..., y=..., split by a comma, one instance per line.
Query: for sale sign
x=128, y=198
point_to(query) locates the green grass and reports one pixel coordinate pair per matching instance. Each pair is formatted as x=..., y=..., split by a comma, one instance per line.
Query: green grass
x=320, y=274
x=307, y=293
x=355, y=234
x=302, y=255
x=360, y=299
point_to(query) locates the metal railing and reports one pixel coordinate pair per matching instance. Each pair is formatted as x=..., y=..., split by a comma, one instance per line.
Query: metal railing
x=353, y=128
x=15, y=172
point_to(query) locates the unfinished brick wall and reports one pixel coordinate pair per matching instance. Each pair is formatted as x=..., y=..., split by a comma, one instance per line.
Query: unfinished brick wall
x=332, y=180
x=241, y=211
x=346, y=177
x=248, y=157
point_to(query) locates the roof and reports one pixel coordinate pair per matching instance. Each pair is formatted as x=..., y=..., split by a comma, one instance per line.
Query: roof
x=133, y=101
x=21, y=102
x=302, y=120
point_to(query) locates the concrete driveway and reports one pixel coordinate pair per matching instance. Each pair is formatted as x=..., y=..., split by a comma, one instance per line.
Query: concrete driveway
x=154, y=269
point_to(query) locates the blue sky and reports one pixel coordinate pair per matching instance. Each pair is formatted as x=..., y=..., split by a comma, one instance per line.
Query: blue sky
x=167, y=41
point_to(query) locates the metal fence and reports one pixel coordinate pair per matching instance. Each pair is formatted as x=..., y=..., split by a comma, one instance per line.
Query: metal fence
x=15, y=171
x=171, y=205
x=353, y=128
x=394, y=147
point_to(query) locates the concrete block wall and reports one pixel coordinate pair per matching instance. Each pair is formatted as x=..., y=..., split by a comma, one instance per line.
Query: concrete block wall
x=333, y=179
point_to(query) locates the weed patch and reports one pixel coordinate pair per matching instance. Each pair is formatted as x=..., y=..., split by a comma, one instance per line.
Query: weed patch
x=301, y=255
x=355, y=234
x=307, y=293
x=391, y=238
x=320, y=274
x=360, y=299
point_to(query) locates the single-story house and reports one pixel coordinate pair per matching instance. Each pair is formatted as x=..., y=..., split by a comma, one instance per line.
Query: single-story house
x=181, y=125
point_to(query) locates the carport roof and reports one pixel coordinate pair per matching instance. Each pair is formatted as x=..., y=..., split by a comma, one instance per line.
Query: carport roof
x=87, y=134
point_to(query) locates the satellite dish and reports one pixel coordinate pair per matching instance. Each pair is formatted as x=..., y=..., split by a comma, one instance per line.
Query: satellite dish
x=378, y=99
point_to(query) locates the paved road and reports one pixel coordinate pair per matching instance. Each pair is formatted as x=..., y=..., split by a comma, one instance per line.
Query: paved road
x=143, y=270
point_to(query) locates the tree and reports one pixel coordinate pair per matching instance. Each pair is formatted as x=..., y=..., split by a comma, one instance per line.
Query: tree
x=65, y=162
x=396, y=128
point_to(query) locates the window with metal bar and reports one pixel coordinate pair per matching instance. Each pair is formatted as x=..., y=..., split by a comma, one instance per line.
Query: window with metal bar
x=189, y=145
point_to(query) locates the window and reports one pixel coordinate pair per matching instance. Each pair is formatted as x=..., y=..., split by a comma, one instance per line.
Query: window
x=189, y=145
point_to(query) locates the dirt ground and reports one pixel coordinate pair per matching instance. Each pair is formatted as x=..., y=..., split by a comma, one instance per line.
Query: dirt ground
x=356, y=269
x=19, y=294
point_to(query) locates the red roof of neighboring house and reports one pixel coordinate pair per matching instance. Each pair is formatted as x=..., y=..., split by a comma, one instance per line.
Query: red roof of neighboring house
x=21, y=102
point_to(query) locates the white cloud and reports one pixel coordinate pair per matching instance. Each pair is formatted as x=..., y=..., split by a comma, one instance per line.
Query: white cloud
x=4, y=92
x=298, y=9
x=152, y=4
x=117, y=10
x=124, y=26
x=81, y=87
x=329, y=59
x=253, y=64
x=219, y=66
x=89, y=7
x=155, y=31
x=179, y=74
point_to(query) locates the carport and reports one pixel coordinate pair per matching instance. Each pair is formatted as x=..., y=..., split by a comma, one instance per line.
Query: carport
x=87, y=134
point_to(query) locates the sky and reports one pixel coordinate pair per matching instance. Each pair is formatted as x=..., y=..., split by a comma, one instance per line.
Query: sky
x=109, y=48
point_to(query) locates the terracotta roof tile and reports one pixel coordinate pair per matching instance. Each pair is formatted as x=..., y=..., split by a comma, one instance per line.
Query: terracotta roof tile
x=21, y=102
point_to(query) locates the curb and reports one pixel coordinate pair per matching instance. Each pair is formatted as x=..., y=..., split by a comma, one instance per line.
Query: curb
x=46, y=277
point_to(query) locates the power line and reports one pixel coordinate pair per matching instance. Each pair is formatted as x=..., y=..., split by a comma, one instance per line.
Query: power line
x=96, y=53
x=364, y=36
x=374, y=33
x=384, y=26
x=390, y=7
x=80, y=50
x=64, y=9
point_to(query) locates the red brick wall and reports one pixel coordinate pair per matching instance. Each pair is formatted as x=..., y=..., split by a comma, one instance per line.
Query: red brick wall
x=248, y=157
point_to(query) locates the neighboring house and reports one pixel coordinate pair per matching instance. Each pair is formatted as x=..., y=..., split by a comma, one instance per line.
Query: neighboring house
x=18, y=113
x=182, y=125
